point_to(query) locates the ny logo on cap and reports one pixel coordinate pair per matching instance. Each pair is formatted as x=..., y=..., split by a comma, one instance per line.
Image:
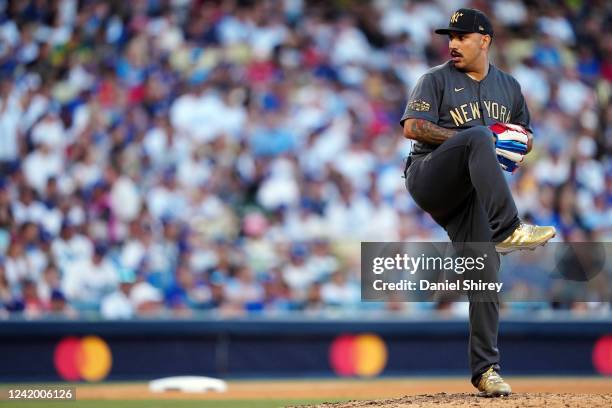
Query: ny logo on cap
x=455, y=17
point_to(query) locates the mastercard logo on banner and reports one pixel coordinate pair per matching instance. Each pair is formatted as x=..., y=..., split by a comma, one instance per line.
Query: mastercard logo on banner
x=363, y=355
x=88, y=358
x=602, y=355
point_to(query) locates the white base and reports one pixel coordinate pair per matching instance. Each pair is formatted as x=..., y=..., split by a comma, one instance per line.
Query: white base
x=188, y=384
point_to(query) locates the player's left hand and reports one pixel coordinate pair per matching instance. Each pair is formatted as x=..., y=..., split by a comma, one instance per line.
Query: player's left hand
x=511, y=145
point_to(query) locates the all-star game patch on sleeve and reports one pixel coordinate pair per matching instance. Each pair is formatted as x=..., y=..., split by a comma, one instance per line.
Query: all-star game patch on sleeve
x=423, y=101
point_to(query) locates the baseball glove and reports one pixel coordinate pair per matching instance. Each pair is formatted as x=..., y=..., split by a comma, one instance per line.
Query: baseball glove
x=510, y=145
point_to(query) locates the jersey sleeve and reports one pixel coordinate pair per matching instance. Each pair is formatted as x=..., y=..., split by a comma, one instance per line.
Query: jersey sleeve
x=423, y=101
x=520, y=115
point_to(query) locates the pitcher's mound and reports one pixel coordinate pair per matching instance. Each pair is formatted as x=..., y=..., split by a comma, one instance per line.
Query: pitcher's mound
x=443, y=400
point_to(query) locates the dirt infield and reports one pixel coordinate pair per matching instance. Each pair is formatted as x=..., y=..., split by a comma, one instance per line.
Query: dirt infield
x=549, y=400
x=426, y=392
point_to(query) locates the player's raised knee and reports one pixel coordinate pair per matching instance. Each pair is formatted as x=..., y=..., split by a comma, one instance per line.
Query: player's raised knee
x=478, y=134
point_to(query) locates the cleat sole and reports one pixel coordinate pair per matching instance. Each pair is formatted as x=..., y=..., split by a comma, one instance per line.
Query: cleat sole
x=493, y=395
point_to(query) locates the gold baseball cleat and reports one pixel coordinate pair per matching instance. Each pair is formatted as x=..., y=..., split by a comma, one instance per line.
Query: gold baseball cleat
x=526, y=236
x=492, y=385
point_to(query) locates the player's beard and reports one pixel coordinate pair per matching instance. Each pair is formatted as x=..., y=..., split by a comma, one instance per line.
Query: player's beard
x=459, y=64
x=458, y=59
x=465, y=64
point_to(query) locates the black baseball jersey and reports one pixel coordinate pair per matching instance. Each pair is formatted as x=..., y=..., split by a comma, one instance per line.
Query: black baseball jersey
x=451, y=99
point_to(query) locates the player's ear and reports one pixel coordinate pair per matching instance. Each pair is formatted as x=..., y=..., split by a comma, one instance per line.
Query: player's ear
x=485, y=40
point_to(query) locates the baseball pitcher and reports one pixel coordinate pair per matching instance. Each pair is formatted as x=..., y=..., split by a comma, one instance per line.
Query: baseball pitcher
x=469, y=123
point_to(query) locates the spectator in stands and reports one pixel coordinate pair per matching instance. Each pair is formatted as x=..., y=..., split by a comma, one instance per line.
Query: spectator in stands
x=17, y=265
x=6, y=296
x=339, y=291
x=118, y=304
x=70, y=247
x=49, y=282
x=189, y=292
x=243, y=291
x=87, y=281
x=146, y=299
x=33, y=305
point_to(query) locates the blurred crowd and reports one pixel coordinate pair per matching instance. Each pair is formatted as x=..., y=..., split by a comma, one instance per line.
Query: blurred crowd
x=163, y=157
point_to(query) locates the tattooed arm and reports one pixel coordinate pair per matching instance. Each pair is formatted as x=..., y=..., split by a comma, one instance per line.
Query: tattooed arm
x=424, y=131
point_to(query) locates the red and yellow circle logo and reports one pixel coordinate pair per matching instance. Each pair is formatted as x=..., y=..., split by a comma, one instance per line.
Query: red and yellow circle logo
x=87, y=359
x=364, y=355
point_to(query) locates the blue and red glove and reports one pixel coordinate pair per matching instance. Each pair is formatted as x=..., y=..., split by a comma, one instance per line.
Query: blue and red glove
x=510, y=145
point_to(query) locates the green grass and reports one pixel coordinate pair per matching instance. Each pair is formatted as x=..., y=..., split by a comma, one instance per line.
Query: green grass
x=163, y=403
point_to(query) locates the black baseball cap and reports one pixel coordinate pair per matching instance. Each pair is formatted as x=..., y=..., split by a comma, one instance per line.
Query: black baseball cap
x=467, y=20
